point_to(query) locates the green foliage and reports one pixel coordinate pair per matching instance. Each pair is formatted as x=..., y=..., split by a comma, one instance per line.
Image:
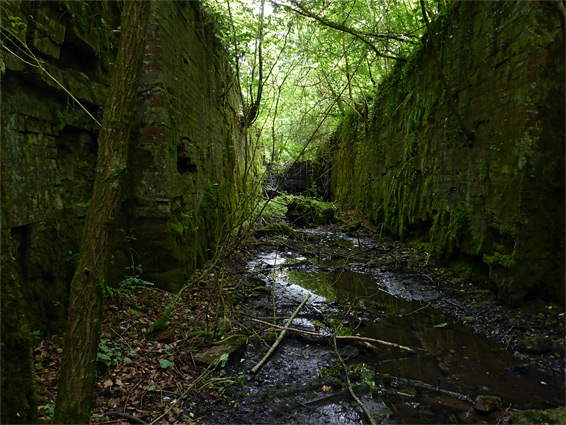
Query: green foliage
x=131, y=283
x=165, y=364
x=320, y=59
x=497, y=259
x=110, y=352
x=47, y=410
x=276, y=207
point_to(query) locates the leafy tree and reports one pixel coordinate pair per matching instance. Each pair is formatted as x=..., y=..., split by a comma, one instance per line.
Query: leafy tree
x=316, y=55
x=77, y=373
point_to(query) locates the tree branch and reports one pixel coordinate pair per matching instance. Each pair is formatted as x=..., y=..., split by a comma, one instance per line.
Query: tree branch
x=343, y=337
x=308, y=14
x=349, y=384
x=281, y=335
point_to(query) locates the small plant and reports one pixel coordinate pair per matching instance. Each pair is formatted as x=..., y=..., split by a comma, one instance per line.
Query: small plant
x=131, y=283
x=165, y=364
x=72, y=257
x=110, y=352
x=47, y=410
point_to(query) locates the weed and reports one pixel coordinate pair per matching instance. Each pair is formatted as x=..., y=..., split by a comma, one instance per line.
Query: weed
x=131, y=283
x=110, y=352
x=47, y=410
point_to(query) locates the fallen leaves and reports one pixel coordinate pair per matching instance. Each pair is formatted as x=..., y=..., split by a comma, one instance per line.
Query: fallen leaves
x=142, y=378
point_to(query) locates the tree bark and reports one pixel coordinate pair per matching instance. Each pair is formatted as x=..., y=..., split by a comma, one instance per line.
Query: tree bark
x=77, y=373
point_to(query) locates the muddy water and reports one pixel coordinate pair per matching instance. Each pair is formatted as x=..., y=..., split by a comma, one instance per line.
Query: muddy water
x=438, y=384
x=303, y=381
x=450, y=356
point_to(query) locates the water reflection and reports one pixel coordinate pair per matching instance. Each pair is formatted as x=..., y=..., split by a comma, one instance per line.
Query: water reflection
x=449, y=355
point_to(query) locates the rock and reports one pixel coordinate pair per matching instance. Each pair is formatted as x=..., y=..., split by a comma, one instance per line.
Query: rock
x=300, y=212
x=516, y=369
x=211, y=354
x=353, y=226
x=224, y=325
x=487, y=403
x=304, y=212
x=325, y=216
x=550, y=416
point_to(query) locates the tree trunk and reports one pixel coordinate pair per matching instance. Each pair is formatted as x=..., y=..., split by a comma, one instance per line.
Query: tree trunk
x=77, y=373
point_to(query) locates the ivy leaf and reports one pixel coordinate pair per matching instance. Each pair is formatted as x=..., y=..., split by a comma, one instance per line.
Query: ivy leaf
x=223, y=360
x=166, y=363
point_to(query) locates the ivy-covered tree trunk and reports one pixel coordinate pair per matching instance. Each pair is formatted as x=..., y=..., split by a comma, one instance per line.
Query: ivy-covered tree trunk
x=18, y=380
x=78, y=365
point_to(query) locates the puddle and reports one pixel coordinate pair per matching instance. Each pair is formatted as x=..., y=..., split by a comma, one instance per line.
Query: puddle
x=452, y=365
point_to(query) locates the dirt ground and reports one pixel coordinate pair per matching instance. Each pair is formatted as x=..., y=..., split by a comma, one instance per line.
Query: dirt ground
x=181, y=375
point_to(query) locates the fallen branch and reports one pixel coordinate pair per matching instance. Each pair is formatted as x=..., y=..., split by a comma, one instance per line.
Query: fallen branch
x=349, y=384
x=343, y=337
x=122, y=415
x=281, y=335
x=423, y=385
x=414, y=311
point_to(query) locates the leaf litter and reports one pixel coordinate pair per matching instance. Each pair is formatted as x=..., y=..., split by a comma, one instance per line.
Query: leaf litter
x=160, y=381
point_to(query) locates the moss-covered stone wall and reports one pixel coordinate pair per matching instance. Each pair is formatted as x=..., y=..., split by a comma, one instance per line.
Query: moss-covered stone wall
x=185, y=162
x=492, y=207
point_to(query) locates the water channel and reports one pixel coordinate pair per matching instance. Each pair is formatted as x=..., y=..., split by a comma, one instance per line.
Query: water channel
x=451, y=366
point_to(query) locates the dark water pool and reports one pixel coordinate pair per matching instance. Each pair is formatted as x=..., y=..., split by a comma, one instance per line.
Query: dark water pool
x=452, y=364
x=449, y=354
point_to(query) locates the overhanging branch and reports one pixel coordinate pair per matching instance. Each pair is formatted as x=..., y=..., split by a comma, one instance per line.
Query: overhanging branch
x=300, y=10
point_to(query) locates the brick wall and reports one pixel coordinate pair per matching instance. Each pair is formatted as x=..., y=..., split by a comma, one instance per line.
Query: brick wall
x=186, y=155
x=492, y=207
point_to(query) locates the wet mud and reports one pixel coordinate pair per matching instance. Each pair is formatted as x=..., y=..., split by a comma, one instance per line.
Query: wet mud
x=467, y=346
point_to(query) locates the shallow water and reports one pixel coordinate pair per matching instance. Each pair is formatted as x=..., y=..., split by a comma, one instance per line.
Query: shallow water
x=452, y=364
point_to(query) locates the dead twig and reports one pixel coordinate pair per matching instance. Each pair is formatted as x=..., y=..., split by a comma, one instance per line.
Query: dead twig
x=281, y=335
x=414, y=311
x=349, y=384
x=343, y=337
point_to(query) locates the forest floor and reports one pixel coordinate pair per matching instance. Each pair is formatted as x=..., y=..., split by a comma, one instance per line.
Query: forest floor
x=182, y=374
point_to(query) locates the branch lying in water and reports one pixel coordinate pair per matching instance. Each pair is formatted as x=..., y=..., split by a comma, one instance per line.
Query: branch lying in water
x=339, y=337
x=281, y=335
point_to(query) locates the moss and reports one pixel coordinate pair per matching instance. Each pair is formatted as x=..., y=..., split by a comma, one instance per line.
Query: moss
x=497, y=259
x=550, y=416
x=448, y=231
x=160, y=324
x=539, y=344
x=495, y=205
x=177, y=229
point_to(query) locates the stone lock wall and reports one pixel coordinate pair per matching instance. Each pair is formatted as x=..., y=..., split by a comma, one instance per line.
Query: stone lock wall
x=492, y=207
x=186, y=158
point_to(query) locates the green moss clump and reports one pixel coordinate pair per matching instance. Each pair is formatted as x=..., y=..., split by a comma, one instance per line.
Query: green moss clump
x=550, y=416
x=497, y=259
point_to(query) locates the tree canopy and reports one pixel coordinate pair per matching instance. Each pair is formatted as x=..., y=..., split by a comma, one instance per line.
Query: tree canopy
x=304, y=64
